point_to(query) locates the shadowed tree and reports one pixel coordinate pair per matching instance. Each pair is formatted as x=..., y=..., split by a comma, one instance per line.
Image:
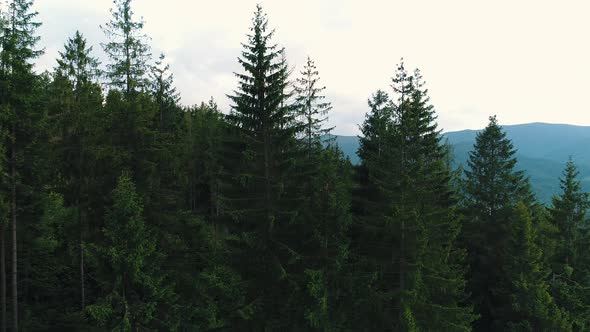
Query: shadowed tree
x=134, y=286
x=262, y=197
x=164, y=93
x=406, y=224
x=492, y=189
x=18, y=50
x=75, y=103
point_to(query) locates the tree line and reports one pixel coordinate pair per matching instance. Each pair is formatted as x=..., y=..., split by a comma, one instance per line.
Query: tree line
x=122, y=209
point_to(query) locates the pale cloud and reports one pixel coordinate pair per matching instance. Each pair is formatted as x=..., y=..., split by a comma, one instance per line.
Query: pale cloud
x=522, y=60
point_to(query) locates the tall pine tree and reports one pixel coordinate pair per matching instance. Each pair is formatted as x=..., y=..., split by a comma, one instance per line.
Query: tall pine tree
x=164, y=94
x=19, y=48
x=325, y=218
x=311, y=105
x=263, y=197
x=127, y=49
x=492, y=189
x=77, y=100
x=570, y=262
x=134, y=289
x=531, y=307
x=409, y=227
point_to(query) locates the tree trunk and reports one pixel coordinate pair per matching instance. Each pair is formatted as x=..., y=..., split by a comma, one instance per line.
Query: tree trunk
x=14, y=246
x=82, y=292
x=3, y=275
x=80, y=217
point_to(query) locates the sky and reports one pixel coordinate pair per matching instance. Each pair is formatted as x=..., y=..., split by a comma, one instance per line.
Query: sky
x=524, y=61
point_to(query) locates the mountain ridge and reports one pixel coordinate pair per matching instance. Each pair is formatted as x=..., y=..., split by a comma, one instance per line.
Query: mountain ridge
x=542, y=151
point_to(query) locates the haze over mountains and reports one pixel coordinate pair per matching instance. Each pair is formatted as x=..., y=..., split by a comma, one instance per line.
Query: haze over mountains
x=542, y=152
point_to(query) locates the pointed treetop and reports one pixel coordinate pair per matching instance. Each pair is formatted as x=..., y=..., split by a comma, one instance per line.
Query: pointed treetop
x=127, y=48
x=311, y=107
x=19, y=41
x=76, y=62
x=162, y=81
x=262, y=85
x=570, y=207
x=401, y=83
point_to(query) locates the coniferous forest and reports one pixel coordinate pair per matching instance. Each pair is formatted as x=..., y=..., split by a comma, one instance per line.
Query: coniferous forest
x=123, y=210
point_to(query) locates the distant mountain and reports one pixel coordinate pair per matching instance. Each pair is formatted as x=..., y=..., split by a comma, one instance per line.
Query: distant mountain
x=542, y=150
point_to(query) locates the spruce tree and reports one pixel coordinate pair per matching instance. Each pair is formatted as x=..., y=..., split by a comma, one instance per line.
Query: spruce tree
x=164, y=94
x=262, y=196
x=76, y=101
x=531, y=306
x=370, y=236
x=425, y=209
x=569, y=263
x=134, y=288
x=492, y=188
x=129, y=108
x=127, y=49
x=17, y=78
x=407, y=224
x=492, y=182
x=324, y=218
x=76, y=63
x=312, y=108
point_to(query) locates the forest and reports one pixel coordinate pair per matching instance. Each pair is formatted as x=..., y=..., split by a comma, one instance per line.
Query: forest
x=123, y=210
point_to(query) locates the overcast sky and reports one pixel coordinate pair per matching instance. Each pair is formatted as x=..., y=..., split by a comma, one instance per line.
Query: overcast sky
x=526, y=61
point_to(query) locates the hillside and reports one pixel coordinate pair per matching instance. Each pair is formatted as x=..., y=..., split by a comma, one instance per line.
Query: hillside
x=542, y=150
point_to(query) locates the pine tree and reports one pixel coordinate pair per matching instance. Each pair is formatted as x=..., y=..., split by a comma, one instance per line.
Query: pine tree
x=52, y=275
x=374, y=129
x=134, y=288
x=370, y=235
x=312, y=108
x=409, y=225
x=77, y=98
x=18, y=49
x=209, y=289
x=425, y=209
x=324, y=226
x=325, y=218
x=261, y=198
x=492, y=187
x=531, y=306
x=570, y=264
x=130, y=110
x=127, y=49
x=76, y=63
x=491, y=179
x=164, y=93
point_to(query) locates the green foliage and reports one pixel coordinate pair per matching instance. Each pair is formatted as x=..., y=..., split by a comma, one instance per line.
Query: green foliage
x=532, y=307
x=407, y=223
x=262, y=196
x=490, y=190
x=492, y=182
x=136, y=213
x=311, y=107
x=569, y=260
x=164, y=93
x=126, y=48
x=133, y=286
